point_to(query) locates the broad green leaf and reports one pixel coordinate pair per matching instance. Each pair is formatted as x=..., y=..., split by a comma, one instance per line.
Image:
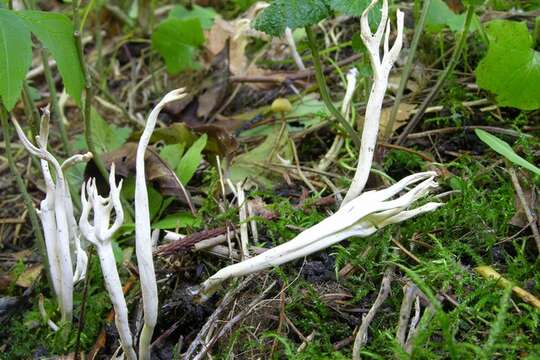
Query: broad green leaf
x=106, y=137
x=254, y=163
x=179, y=220
x=505, y=150
x=191, y=160
x=55, y=31
x=511, y=67
x=291, y=13
x=176, y=41
x=15, y=56
x=440, y=16
x=205, y=15
x=350, y=7
x=172, y=154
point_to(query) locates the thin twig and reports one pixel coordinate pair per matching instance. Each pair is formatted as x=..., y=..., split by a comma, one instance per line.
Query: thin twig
x=531, y=218
x=361, y=335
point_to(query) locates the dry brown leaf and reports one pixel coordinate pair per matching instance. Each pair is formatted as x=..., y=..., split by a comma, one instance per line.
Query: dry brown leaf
x=29, y=276
x=394, y=80
x=157, y=171
x=238, y=31
x=404, y=113
x=520, y=218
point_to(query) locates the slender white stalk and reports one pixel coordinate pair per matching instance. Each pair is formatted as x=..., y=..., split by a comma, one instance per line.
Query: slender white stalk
x=143, y=242
x=292, y=45
x=361, y=217
x=242, y=217
x=381, y=71
x=100, y=234
x=58, y=220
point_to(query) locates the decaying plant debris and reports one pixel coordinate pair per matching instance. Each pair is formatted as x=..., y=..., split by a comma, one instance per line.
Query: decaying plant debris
x=330, y=180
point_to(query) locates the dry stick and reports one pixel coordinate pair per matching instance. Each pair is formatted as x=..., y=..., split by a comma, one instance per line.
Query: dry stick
x=525, y=205
x=227, y=299
x=442, y=78
x=361, y=335
x=419, y=29
x=409, y=294
x=231, y=323
x=323, y=89
x=24, y=192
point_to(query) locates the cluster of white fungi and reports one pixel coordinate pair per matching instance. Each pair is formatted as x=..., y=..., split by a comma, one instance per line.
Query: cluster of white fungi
x=360, y=215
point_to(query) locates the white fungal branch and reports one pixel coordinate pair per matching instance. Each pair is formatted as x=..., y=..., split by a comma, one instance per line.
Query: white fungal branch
x=381, y=70
x=100, y=234
x=361, y=217
x=143, y=240
x=60, y=229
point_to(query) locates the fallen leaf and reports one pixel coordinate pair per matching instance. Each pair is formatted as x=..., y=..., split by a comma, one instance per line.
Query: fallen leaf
x=253, y=165
x=157, y=170
x=238, y=32
x=29, y=276
x=404, y=113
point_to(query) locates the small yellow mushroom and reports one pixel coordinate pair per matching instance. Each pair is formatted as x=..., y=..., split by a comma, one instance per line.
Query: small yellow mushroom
x=281, y=105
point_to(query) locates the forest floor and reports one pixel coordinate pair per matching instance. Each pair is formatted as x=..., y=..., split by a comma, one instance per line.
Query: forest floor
x=431, y=300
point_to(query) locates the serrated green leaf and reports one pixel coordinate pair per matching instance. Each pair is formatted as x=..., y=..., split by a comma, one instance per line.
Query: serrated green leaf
x=55, y=31
x=205, y=15
x=15, y=56
x=291, y=13
x=505, y=150
x=191, y=160
x=350, y=7
x=511, y=67
x=176, y=41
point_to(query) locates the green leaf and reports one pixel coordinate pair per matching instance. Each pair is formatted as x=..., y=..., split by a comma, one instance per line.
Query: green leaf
x=205, y=15
x=440, y=16
x=15, y=56
x=505, y=150
x=350, y=7
x=511, y=67
x=177, y=221
x=55, y=31
x=172, y=154
x=106, y=137
x=176, y=41
x=191, y=160
x=291, y=13
x=253, y=164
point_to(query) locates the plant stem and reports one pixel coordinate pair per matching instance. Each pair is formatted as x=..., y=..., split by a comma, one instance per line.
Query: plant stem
x=442, y=78
x=419, y=29
x=32, y=112
x=323, y=89
x=89, y=93
x=24, y=192
x=53, y=98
